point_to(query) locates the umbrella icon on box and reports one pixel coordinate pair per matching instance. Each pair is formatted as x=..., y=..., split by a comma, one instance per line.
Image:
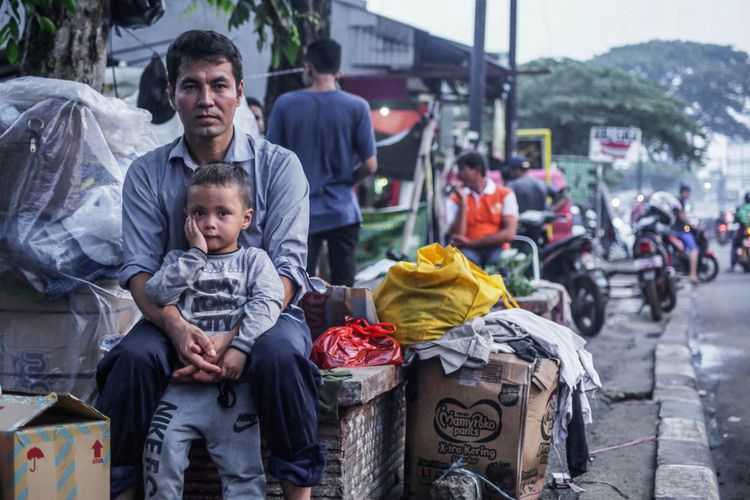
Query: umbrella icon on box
x=32, y=455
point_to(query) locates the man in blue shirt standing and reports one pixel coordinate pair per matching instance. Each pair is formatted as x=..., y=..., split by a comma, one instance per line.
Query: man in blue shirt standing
x=331, y=132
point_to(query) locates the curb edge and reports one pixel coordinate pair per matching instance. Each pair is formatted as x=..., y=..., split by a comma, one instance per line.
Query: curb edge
x=681, y=417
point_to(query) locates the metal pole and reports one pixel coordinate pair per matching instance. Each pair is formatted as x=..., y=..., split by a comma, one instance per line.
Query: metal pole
x=510, y=114
x=478, y=74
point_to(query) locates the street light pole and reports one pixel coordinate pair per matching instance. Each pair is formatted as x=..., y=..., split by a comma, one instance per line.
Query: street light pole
x=510, y=112
x=478, y=74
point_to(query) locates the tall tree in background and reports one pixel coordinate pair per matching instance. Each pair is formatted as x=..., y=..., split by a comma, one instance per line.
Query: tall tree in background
x=57, y=39
x=713, y=80
x=574, y=96
x=67, y=39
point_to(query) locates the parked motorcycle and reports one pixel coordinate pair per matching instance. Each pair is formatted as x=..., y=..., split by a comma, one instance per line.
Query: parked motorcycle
x=708, y=264
x=571, y=263
x=651, y=258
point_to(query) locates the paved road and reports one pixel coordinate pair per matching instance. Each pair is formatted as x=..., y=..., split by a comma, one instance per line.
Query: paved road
x=722, y=341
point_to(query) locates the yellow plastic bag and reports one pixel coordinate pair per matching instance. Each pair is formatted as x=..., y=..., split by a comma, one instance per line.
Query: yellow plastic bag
x=442, y=290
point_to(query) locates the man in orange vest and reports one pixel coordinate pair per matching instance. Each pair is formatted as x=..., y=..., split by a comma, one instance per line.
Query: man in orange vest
x=481, y=215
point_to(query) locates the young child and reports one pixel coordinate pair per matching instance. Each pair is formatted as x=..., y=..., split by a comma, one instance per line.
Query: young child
x=216, y=285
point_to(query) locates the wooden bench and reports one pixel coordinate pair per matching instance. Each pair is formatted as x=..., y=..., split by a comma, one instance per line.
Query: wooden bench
x=365, y=444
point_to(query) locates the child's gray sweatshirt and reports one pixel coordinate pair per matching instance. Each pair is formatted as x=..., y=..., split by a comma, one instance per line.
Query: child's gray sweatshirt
x=214, y=292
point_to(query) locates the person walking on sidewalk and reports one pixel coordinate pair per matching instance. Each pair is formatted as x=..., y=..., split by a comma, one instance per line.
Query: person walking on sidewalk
x=205, y=87
x=331, y=132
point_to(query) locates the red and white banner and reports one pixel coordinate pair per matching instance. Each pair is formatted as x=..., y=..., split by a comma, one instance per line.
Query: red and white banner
x=615, y=143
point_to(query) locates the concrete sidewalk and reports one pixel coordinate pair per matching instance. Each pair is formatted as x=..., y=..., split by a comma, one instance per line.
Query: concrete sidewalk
x=685, y=469
x=649, y=435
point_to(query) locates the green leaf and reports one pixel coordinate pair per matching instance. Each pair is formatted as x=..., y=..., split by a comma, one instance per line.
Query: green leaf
x=241, y=14
x=13, y=27
x=46, y=24
x=70, y=6
x=290, y=51
x=275, y=55
x=11, y=51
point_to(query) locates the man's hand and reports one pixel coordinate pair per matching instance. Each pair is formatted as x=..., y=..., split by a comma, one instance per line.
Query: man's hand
x=458, y=188
x=194, y=236
x=220, y=343
x=190, y=342
x=233, y=364
x=460, y=241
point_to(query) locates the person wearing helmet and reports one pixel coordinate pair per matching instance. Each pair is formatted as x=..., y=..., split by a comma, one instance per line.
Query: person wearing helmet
x=741, y=215
x=687, y=238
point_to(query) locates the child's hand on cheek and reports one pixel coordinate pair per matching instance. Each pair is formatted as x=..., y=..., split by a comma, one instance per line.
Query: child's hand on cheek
x=233, y=364
x=194, y=236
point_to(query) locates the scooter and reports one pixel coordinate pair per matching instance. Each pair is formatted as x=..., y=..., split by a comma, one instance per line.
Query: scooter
x=724, y=231
x=708, y=264
x=571, y=263
x=653, y=264
x=743, y=250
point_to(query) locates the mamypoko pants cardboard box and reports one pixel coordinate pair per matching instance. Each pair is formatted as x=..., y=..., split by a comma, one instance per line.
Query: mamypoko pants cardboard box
x=497, y=419
x=52, y=446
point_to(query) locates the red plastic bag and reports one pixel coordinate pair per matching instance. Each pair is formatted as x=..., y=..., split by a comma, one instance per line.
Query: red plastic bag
x=357, y=344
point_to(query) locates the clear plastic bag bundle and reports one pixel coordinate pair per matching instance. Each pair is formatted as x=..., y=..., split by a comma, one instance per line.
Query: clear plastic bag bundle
x=64, y=150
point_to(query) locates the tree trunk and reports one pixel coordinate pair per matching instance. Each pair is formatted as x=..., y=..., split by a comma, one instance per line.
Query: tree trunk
x=76, y=51
x=308, y=32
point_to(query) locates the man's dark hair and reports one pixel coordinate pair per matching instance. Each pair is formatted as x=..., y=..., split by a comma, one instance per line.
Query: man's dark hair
x=324, y=55
x=224, y=174
x=202, y=45
x=472, y=159
x=252, y=101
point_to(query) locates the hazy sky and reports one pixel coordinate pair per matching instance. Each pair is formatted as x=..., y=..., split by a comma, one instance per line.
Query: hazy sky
x=579, y=29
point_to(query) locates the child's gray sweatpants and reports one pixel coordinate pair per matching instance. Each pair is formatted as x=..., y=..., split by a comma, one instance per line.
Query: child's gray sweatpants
x=191, y=411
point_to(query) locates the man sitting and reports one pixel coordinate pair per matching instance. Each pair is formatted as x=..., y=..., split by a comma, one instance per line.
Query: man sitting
x=482, y=216
x=531, y=193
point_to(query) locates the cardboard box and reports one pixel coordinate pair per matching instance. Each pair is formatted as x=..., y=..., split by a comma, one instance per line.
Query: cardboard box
x=52, y=345
x=330, y=308
x=52, y=446
x=498, y=419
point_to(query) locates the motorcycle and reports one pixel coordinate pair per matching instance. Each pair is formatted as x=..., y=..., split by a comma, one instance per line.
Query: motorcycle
x=708, y=264
x=571, y=263
x=743, y=250
x=653, y=264
x=724, y=233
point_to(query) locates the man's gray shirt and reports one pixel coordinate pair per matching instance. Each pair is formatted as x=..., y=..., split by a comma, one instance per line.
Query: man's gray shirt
x=154, y=206
x=215, y=292
x=531, y=193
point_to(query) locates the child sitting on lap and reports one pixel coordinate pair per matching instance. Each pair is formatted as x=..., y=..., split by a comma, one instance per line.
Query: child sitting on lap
x=216, y=285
